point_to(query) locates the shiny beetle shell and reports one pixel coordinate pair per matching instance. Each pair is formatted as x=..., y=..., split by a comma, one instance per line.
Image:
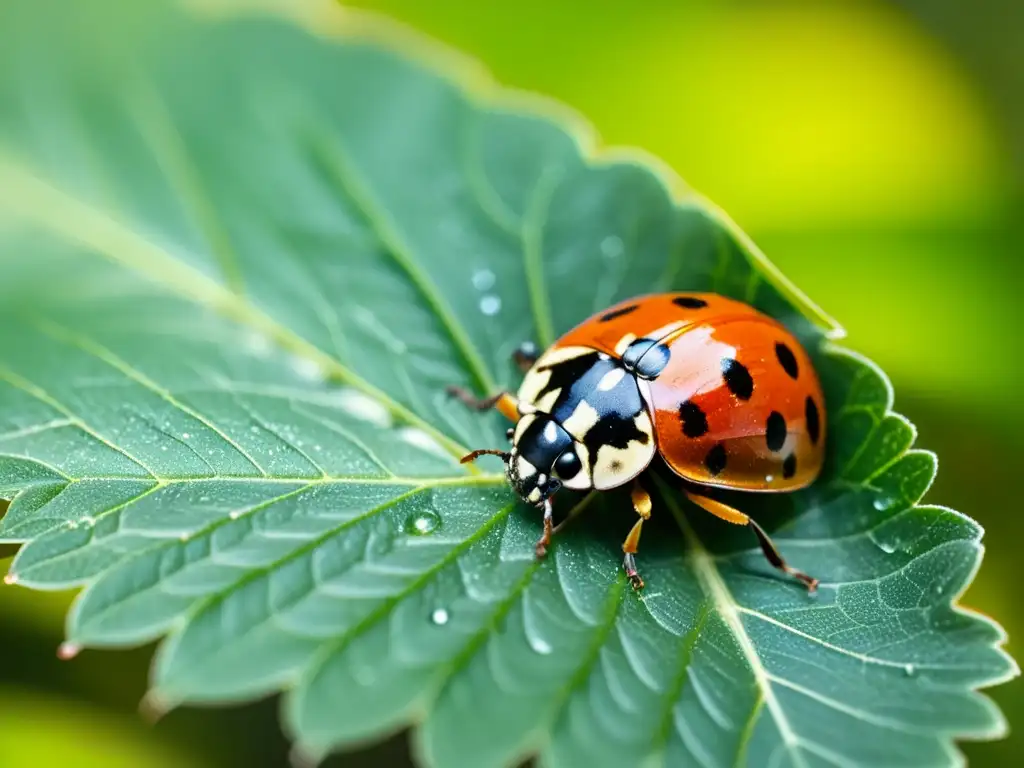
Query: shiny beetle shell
x=726, y=395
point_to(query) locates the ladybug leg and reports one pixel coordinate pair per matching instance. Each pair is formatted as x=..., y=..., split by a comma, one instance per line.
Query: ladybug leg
x=642, y=505
x=506, y=403
x=526, y=355
x=727, y=513
x=545, y=539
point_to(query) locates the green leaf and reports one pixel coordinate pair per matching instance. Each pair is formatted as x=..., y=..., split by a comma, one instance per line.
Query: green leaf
x=242, y=256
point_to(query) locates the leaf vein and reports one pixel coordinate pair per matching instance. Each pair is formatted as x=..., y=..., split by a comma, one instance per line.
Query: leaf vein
x=42, y=396
x=338, y=163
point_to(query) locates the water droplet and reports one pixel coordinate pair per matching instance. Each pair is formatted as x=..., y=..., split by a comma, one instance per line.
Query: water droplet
x=908, y=669
x=308, y=369
x=234, y=514
x=88, y=521
x=611, y=246
x=421, y=439
x=67, y=651
x=422, y=524
x=258, y=345
x=769, y=478
x=440, y=617
x=254, y=429
x=185, y=435
x=490, y=305
x=887, y=546
x=184, y=537
x=362, y=407
x=939, y=589
x=883, y=503
x=483, y=279
x=10, y=578
x=542, y=647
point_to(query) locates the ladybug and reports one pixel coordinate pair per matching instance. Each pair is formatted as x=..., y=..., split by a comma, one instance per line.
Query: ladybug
x=723, y=393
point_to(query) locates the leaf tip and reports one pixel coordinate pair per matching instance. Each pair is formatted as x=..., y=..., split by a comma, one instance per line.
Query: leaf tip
x=11, y=578
x=300, y=757
x=153, y=707
x=67, y=650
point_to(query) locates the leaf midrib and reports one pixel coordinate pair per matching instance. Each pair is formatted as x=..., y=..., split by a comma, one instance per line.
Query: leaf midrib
x=704, y=567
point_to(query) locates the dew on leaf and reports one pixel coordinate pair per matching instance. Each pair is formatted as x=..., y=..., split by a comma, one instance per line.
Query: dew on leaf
x=542, y=647
x=421, y=439
x=887, y=546
x=10, y=578
x=362, y=407
x=490, y=305
x=483, y=279
x=67, y=651
x=439, y=617
x=258, y=344
x=308, y=369
x=909, y=669
x=611, y=246
x=422, y=523
x=185, y=435
x=883, y=503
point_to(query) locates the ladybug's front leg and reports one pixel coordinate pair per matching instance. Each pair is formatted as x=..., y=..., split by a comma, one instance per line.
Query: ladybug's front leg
x=505, y=402
x=642, y=505
x=545, y=540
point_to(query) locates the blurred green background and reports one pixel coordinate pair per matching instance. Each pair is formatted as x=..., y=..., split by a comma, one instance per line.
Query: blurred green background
x=875, y=152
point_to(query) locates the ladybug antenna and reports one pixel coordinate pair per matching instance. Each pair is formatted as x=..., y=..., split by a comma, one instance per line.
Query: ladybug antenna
x=484, y=452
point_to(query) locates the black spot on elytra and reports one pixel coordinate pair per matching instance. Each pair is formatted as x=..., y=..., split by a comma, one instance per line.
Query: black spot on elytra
x=618, y=312
x=716, y=459
x=689, y=302
x=813, y=422
x=775, y=431
x=789, y=466
x=787, y=359
x=695, y=423
x=737, y=378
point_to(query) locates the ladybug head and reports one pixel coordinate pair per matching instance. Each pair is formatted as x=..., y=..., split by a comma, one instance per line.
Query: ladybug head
x=538, y=444
x=539, y=449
